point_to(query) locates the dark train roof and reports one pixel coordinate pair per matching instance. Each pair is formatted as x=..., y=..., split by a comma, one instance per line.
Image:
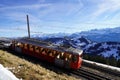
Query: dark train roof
x=49, y=45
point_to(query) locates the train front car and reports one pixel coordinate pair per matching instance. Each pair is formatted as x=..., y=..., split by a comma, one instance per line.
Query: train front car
x=76, y=58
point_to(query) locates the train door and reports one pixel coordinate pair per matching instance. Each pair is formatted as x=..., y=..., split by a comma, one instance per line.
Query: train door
x=59, y=61
x=67, y=60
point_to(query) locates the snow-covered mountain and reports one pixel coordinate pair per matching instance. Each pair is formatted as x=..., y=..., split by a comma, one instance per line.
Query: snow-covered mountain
x=76, y=42
x=102, y=35
x=104, y=42
x=46, y=36
x=105, y=49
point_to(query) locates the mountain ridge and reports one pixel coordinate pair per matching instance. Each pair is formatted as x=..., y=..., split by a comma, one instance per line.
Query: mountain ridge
x=103, y=47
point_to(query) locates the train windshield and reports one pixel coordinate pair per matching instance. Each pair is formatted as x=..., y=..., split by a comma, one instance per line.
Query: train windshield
x=74, y=58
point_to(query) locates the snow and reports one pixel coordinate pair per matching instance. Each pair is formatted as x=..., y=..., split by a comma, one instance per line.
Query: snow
x=109, y=53
x=112, y=52
x=102, y=65
x=90, y=45
x=104, y=45
x=6, y=74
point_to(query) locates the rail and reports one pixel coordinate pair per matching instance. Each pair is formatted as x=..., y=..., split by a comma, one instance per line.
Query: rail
x=90, y=75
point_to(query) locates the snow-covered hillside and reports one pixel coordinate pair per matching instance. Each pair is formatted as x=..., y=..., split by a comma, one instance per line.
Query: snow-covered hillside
x=6, y=74
x=106, y=49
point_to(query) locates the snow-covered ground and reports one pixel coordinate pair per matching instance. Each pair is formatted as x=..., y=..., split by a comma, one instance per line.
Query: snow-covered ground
x=6, y=74
x=102, y=65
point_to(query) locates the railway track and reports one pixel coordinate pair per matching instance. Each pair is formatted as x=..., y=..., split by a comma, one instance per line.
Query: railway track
x=90, y=75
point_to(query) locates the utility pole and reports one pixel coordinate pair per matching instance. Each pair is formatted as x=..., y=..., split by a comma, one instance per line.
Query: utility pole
x=28, y=26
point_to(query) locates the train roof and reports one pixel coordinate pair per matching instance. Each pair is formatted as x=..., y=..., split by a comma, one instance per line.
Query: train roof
x=49, y=45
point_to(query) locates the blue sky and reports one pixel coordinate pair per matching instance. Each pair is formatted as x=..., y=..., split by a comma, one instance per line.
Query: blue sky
x=54, y=16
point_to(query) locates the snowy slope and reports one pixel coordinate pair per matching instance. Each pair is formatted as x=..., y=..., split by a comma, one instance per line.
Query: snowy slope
x=6, y=74
x=102, y=65
x=105, y=49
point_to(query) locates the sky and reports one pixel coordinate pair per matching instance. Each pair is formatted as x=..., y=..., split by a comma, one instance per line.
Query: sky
x=55, y=16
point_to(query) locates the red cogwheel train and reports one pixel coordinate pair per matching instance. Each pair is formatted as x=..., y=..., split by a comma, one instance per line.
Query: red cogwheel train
x=69, y=58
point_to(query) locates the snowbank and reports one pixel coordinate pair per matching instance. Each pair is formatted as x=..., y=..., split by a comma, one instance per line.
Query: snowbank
x=6, y=74
x=102, y=65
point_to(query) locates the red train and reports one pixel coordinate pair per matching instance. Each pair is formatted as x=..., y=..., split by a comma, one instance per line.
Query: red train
x=69, y=58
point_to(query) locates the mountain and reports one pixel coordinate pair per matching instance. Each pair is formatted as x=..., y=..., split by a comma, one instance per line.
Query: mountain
x=102, y=35
x=96, y=35
x=105, y=49
x=104, y=42
x=46, y=36
x=76, y=42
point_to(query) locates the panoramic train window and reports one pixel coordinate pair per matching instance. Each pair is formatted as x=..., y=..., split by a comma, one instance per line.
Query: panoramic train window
x=37, y=49
x=58, y=55
x=18, y=44
x=15, y=44
x=54, y=53
x=44, y=52
x=21, y=45
x=31, y=47
x=49, y=52
x=68, y=57
x=26, y=46
x=41, y=49
x=61, y=55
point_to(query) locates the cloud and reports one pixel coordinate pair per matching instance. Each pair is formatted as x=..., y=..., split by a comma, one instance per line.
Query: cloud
x=34, y=6
x=108, y=6
x=38, y=13
x=62, y=15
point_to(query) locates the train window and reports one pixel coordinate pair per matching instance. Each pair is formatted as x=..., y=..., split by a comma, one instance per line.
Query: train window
x=31, y=47
x=44, y=52
x=18, y=44
x=53, y=53
x=37, y=49
x=21, y=45
x=15, y=44
x=48, y=52
x=26, y=46
x=67, y=57
x=41, y=49
x=58, y=55
x=74, y=58
x=61, y=55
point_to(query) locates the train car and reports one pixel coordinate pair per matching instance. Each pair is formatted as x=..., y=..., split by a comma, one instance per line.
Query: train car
x=69, y=58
